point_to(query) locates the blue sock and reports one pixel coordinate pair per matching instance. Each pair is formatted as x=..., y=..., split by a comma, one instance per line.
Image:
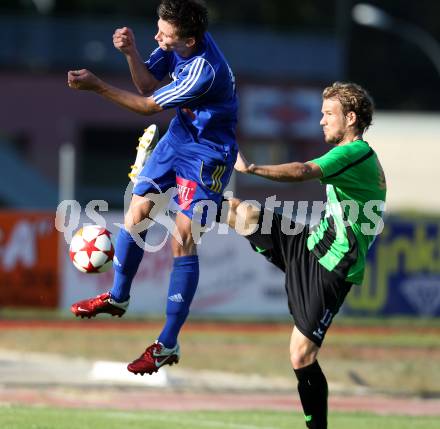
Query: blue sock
x=128, y=256
x=183, y=284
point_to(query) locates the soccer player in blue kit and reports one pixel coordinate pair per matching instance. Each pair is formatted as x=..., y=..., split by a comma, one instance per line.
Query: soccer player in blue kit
x=196, y=155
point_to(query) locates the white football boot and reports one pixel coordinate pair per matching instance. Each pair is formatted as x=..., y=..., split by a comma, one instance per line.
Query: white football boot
x=147, y=143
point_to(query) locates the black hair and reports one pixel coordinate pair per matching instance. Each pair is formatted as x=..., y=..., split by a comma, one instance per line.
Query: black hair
x=190, y=17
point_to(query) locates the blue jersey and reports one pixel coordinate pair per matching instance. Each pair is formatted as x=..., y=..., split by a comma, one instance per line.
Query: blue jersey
x=203, y=83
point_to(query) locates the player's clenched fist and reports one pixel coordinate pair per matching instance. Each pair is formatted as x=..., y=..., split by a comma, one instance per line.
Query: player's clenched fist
x=83, y=79
x=242, y=165
x=123, y=40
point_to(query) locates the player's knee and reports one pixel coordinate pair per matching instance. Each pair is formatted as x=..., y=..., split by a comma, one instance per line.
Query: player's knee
x=135, y=222
x=300, y=358
x=230, y=217
x=137, y=216
x=253, y=215
x=185, y=246
x=129, y=221
x=233, y=204
x=247, y=214
x=187, y=241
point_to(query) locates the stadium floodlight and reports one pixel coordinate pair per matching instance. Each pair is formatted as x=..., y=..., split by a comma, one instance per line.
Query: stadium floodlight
x=365, y=14
x=372, y=16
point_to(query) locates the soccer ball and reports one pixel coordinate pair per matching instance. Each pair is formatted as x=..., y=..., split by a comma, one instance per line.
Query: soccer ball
x=91, y=249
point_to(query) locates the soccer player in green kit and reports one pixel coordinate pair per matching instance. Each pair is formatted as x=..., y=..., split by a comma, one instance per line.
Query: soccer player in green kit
x=321, y=263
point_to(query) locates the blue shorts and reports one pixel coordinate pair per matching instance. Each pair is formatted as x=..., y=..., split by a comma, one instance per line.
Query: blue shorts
x=197, y=171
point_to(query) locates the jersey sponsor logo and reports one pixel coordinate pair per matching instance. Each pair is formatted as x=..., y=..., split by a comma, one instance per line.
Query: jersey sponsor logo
x=185, y=191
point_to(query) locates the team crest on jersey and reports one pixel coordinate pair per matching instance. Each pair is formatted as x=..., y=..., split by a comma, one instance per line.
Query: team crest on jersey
x=185, y=191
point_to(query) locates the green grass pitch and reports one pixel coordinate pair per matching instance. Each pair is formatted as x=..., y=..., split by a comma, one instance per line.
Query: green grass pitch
x=50, y=418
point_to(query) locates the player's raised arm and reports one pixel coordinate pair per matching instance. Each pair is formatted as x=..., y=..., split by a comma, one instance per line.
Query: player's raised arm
x=125, y=42
x=86, y=80
x=290, y=172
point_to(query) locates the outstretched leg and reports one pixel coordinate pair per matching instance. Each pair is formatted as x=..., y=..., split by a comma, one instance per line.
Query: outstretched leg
x=245, y=218
x=312, y=384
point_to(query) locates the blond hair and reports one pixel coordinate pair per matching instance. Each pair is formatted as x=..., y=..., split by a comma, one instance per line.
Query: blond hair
x=353, y=98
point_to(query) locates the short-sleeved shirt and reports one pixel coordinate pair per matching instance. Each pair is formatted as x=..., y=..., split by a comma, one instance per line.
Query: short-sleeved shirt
x=356, y=192
x=203, y=83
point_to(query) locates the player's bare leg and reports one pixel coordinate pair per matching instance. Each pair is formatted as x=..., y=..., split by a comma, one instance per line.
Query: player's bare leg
x=137, y=217
x=303, y=352
x=243, y=216
x=312, y=384
x=184, y=231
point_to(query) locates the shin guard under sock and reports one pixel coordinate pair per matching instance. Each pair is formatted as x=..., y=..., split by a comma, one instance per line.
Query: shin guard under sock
x=313, y=392
x=183, y=284
x=128, y=256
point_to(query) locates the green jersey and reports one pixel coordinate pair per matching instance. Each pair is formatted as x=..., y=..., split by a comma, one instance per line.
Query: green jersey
x=356, y=191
